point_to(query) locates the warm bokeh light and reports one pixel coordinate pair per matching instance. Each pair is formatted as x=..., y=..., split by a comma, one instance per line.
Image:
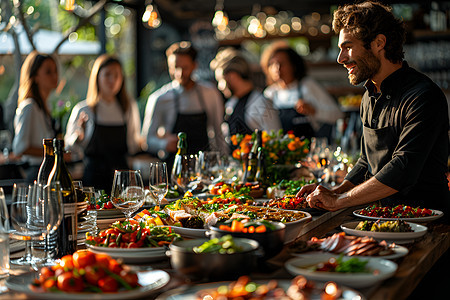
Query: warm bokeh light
x=151, y=17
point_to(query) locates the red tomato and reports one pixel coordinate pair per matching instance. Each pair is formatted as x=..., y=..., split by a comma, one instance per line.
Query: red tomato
x=108, y=284
x=67, y=282
x=67, y=262
x=83, y=258
x=49, y=283
x=46, y=273
x=130, y=277
x=94, y=274
x=114, y=266
x=103, y=260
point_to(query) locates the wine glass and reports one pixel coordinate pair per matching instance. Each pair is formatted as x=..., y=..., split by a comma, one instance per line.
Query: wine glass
x=20, y=218
x=209, y=166
x=127, y=191
x=184, y=174
x=46, y=212
x=90, y=197
x=159, y=182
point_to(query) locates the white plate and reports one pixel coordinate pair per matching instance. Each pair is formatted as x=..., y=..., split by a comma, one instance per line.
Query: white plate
x=421, y=219
x=150, y=281
x=293, y=228
x=189, y=293
x=189, y=232
x=133, y=255
x=399, y=251
x=418, y=231
x=302, y=265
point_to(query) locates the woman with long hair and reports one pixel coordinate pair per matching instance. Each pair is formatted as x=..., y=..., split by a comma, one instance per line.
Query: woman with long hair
x=304, y=106
x=105, y=126
x=33, y=121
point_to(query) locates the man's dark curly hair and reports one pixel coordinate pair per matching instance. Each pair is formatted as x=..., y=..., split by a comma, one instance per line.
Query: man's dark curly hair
x=368, y=19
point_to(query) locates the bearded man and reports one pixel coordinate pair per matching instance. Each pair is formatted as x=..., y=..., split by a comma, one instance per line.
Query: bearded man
x=405, y=143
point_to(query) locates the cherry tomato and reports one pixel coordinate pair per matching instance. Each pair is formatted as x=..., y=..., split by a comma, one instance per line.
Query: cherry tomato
x=49, y=283
x=114, y=266
x=94, y=274
x=102, y=260
x=108, y=284
x=67, y=282
x=83, y=258
x=130, y=277
x=67, y=262
x=46, y=273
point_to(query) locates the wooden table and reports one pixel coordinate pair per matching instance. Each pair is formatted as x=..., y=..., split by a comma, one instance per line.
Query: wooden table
x=424, y=253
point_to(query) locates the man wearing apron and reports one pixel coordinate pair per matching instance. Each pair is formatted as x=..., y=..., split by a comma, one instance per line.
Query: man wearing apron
x=404, y=147
x=195, y=108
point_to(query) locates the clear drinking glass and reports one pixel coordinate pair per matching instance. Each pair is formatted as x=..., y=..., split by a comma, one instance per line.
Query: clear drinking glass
x=46, y=212
x=184, y=174
x=20, y=213
x=209, y=166
x=89, y=193
x=127, y=191
x=159, y=182
x=4, y=237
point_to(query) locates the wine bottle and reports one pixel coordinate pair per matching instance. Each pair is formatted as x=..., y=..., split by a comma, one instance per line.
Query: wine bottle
x=47, y=163
x=261, y=173
x=44, y=172
x=178, y=161
x=67, y=231
x=252, y=164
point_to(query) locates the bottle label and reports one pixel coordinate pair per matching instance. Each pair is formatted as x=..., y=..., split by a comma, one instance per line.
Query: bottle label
x=70, y=217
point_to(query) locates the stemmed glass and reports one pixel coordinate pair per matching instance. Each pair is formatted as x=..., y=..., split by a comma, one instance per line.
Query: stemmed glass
x=159, y=182
x=20, y=217
x=184, y=174
x=127, y=191
x=46, y=213
x=209, y=166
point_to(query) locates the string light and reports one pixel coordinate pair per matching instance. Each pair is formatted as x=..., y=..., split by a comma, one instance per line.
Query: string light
x=220, y=20
x=151, y=17
x=68, y=5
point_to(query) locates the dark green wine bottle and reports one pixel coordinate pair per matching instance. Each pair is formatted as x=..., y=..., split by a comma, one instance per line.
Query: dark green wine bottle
x=47, y=163
x=252, y=164
x=67, y=231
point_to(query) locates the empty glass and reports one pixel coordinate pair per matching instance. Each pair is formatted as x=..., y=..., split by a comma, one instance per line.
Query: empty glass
x=127, y=191
x=159, y=182
x=209, y=166
x=20, y=214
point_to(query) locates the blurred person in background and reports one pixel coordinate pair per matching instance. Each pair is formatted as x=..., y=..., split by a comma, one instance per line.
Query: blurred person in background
x=246, y=109
x=305, y=107
x=404, y=146
x=104, y=129
x=183, y=105
x=33, y=121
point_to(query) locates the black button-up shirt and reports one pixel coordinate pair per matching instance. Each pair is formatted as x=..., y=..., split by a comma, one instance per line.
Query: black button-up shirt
x=411, y=112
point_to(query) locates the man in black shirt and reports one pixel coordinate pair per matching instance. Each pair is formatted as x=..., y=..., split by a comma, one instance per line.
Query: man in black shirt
x=404, y=147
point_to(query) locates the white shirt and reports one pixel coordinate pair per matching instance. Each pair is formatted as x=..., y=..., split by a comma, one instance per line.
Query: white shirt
x=259, y=112
x=327, y=110
x=31, y=126
x=160, y=113
x=107, y=114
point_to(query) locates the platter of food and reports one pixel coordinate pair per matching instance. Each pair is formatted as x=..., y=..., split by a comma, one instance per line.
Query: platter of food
x=301, y=289
x=399, y=212
x=349, y=245
x=356, y=272
x=105, y=278
x=416, y=232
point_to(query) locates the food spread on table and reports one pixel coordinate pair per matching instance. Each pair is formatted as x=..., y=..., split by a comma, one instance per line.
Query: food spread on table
x=386, y=226
x=133, y=234
x=399, y=211
x=223, y=245
x=87, y=272
x=348, y=245
x=288, y=202
x=333, y=264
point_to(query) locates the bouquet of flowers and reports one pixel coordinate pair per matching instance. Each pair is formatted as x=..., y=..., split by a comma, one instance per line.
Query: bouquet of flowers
x=280, y=148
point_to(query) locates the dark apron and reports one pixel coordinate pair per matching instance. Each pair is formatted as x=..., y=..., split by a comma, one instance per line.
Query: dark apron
x=299, y=124
x=105, y=153
x=194, y=125
x=236, y=121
